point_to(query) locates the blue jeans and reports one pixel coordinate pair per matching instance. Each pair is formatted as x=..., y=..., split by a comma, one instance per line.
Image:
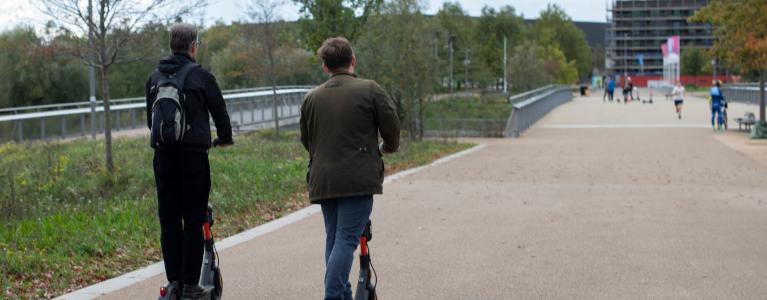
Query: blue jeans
x=716, y=114
x=345, y=218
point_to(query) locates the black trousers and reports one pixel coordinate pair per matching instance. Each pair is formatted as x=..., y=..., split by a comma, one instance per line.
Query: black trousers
x=183, y=184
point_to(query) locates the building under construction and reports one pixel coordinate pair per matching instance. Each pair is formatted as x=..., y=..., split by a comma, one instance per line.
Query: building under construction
x=637, y=28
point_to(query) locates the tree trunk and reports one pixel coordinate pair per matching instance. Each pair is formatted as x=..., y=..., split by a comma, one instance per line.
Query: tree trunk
x=107, y=120
x=761, y=96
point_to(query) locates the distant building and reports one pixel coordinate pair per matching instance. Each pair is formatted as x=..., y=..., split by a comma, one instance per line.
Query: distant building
x=638, y=28
x=594, y=32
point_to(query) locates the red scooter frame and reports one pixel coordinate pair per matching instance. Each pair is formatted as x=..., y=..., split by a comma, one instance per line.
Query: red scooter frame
x=367, y=280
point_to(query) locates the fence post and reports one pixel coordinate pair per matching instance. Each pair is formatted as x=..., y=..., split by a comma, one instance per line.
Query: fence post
x=133, y=119
x=20, y=126
x=242, y=113
x=82, y=125
x=63, y=127
x=92, y=103
x=42, y=128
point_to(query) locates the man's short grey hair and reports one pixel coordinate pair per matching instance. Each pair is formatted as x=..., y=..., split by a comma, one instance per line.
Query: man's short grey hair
x=182, y=35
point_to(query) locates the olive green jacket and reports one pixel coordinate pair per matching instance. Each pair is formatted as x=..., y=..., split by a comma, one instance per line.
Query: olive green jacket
x=340, y=123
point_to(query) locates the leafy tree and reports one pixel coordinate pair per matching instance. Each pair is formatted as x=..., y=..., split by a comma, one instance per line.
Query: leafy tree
x=112, y=24
x=525, y=65
x=323, y=19
x=741, y=30
x=126, y=79
x=264, y=14
x=458, y=26
x=401, y=59
x=693, y=61
x=216, y=38
x=492, y=27
x=556, y=64
x=555, y=24
x=230, y=72
x=35, y=72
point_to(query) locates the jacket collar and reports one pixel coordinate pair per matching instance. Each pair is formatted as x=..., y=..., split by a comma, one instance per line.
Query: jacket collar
x=343, y=73
x=184, y=54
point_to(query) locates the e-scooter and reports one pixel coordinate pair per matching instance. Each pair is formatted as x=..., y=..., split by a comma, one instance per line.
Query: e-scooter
x=368, y=279
x=210, y=275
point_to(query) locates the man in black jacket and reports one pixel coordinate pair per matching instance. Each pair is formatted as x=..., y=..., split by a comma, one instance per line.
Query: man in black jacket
x=182, y=171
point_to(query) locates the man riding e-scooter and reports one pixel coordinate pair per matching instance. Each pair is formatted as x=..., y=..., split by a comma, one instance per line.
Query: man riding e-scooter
x=180, y=96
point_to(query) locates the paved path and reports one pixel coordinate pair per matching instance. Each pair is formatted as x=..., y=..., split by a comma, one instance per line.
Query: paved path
x=638, y=211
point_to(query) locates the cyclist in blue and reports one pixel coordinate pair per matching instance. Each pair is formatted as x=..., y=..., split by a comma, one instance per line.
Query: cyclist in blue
x=717, y=103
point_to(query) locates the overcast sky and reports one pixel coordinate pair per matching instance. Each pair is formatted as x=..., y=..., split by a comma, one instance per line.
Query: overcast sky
x=16, y=12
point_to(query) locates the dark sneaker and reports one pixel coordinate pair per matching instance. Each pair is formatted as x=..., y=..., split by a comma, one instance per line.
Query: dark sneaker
x=192, y=291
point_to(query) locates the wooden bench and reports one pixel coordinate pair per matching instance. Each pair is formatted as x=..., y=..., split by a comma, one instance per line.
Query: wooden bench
x=747, y=120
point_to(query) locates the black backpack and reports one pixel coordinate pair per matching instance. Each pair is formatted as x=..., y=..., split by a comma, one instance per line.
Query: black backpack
x=169, y=119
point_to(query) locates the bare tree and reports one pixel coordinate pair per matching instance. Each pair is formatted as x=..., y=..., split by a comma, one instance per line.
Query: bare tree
x=112, y=27
x=264, y=13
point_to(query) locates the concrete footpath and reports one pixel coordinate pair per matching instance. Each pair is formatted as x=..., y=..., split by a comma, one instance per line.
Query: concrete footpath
x=597, y=201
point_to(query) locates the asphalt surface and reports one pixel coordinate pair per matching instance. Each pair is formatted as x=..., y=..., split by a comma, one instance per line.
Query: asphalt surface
x=654, y=209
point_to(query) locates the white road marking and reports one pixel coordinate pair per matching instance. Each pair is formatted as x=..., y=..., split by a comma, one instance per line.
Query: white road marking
x=636, y=126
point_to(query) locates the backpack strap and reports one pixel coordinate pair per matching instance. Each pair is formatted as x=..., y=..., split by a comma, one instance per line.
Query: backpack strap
x=181, y=74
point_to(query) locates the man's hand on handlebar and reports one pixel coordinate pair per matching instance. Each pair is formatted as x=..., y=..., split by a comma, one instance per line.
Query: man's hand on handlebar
x=383, y=149
x=219, y=143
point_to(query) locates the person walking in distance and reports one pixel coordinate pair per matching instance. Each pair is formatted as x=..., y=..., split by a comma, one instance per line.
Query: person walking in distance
x=678, y=94
x=180, y=96
x=340, y=125
x=717, y=103
x=604, y=85
x=610, y=88
x=630, y=87
x=625, y=90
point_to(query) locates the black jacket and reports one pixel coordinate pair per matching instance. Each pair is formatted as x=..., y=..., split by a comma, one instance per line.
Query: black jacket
x=202, y=98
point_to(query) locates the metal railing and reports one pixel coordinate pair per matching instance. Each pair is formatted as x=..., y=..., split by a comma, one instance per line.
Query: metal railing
x=83, y=104
x=533, y=105
x=742, y=92
x=514, y=99
x=248, y=109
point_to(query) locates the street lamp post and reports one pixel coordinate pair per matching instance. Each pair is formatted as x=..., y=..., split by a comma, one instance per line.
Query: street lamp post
x=625, y=56
x=466, y=63
x=91, y=70
x=505, y=65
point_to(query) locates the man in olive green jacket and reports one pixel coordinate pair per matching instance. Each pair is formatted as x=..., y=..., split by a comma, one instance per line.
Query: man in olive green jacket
x=340, y=124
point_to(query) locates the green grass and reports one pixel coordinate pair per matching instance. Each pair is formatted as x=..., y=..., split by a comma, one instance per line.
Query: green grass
x=68, y=225
x=484, y=116
x=484, y=107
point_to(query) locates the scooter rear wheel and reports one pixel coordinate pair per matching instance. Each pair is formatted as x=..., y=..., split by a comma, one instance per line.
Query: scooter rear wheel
x=218, y=284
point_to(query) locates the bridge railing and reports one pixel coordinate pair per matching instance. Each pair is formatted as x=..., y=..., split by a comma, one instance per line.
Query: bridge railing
x=742, y=92
x=529, y=107
x=514, y=99
x=83, y=104
x=248, y=108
